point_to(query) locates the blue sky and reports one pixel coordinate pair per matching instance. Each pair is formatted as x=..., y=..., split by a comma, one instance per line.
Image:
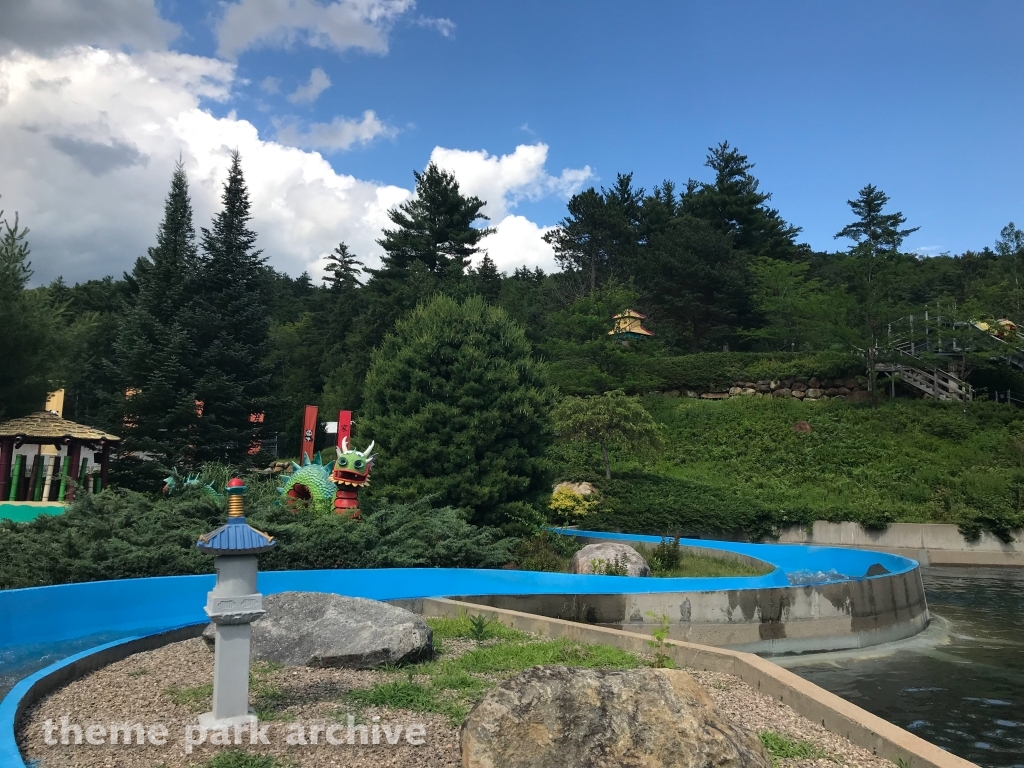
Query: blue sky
x=922, y=99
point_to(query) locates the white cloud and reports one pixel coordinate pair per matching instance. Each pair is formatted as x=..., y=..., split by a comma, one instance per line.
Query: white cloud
x=310, y=92
x=270, y=85
x=445, y=26
x=43, y=26
x=517, y=241
x=88, y=141
x=338, y=135
x=282, y=23
x=503, y=181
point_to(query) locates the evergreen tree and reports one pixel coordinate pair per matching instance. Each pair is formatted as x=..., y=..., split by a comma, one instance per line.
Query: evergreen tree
x=600, y=239
x=231, y=322
x=27, y=330
x=734, y=205
x=155, y=354
x=1010, y=247
x=343, y=270
x=700, y=284
x=877, y=264
x=486, y=279
x=459, y=409
x=435, y=228
x=427, y=253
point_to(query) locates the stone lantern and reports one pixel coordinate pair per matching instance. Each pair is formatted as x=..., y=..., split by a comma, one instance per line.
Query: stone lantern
x=232, y=606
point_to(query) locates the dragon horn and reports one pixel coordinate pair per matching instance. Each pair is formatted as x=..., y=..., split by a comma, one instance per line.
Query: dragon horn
x=369, y=448
x=344, y=445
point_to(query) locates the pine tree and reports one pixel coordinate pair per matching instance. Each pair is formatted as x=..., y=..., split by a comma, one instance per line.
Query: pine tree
x=459, y=409
x=734, y=205
x=155, y=353
x=426, y=254
x=486, y=279
x=435, y=227
x=231, y=322
x=27, y=328
x=600, y=238
x=342, y=270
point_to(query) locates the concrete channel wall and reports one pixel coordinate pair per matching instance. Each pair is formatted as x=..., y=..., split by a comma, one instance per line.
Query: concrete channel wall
x=928, y=543
x=816, y=704
x=843, y=615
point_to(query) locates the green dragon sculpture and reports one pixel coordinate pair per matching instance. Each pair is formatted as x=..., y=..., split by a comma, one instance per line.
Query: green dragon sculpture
x=333, y=485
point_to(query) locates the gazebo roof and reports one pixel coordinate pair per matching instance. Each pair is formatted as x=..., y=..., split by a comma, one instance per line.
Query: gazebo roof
x=44, y=426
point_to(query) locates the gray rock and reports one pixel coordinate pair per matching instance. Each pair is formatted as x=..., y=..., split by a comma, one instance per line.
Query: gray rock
x=560, y=717
x=318, y=629
x=604, y=554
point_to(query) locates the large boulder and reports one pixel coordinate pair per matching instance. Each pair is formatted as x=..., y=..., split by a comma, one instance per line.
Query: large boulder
x=562, y=717
x=317, y=629
x=595, y=558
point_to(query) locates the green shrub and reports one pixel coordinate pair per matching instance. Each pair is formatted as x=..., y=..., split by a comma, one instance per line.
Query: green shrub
x=459, y=409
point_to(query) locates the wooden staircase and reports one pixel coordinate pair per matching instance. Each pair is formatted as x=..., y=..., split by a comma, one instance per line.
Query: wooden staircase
x=931, y=381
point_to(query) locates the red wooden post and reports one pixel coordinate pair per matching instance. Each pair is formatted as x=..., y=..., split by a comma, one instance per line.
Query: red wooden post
x=75, y=457
x=308, y=433
x=6, y=451
x=344, y=426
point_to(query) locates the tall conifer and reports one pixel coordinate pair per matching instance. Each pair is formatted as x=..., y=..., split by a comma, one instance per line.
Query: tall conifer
x=154, y=351
x=231, y=320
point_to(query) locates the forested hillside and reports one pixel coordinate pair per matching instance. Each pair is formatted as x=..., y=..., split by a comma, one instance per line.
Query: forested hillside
x=728, y=291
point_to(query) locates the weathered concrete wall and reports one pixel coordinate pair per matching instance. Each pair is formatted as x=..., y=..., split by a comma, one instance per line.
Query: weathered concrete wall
x=928, y=543
x=776, y=620
x=816, y=704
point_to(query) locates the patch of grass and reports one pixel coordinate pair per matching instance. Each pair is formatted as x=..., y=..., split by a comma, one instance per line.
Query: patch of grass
x=453, y=686
x=445, y=627
x=238, y=759
x=267, y=698
x=195, y=697
x=138, y=673
x=507, y=657
x=408, y=694
x=781, y=747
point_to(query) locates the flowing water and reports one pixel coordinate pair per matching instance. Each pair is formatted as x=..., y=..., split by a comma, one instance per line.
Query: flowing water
x=960, y=684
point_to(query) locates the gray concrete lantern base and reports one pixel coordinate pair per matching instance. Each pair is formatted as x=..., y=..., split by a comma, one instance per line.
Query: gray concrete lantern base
x=210, y=723
x=232, y=604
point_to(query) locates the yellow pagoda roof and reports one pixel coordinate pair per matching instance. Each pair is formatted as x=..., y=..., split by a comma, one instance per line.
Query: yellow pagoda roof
x=46, y=426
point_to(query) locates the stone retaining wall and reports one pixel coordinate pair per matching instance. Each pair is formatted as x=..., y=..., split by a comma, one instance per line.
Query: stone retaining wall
x=812, y=389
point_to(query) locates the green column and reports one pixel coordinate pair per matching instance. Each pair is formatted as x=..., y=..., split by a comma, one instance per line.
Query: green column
x=19, y=466
x=65, y=469
x=37, y=492
x=83, y=478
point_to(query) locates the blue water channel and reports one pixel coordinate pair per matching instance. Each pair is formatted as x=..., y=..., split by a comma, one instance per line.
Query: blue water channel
x=960, y=684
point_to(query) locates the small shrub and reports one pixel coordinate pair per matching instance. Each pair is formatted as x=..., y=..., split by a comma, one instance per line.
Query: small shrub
x=614, y=567
x=661, y=659
x=780, y=747
x=569, y=507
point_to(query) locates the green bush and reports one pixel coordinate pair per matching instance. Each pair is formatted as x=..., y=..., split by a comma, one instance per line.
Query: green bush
x=459, y=410
x=636, y=372
x=124, y=534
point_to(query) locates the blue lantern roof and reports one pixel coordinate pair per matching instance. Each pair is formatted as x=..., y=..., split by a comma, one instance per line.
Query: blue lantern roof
x=235, y=537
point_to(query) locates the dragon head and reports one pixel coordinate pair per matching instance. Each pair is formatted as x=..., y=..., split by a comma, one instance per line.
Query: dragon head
x=352, y=467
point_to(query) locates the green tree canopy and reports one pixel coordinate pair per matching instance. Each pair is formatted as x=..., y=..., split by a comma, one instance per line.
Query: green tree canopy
x=27, y=329
x=435, y=227
x=230, y=326
x=459, y=409
x=155, y=353
x=608, y=419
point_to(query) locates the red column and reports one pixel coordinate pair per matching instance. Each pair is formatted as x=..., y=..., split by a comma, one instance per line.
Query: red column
x=75, y=457
x=344, y=426
x=6, y=451
x=308, y=432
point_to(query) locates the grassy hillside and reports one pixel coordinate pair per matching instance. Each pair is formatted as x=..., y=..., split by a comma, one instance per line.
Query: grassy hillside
x=739, y=465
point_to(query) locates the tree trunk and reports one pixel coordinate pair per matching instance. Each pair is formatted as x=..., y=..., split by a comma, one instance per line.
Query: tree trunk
x=607, y=466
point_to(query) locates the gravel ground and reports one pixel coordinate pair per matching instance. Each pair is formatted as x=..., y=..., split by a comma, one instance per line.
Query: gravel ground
x=140, y=689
